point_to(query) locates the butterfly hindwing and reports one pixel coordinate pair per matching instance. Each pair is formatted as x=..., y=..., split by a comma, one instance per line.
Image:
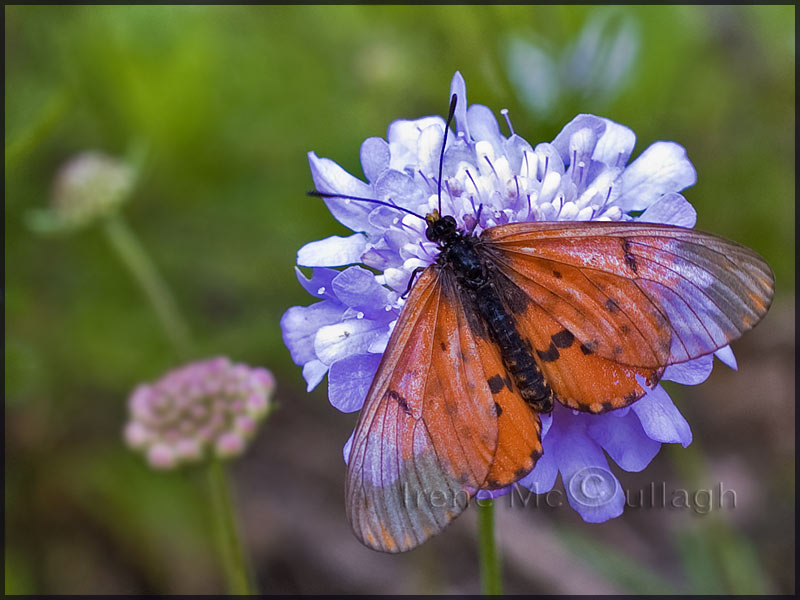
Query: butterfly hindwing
x=579, y=378
x=639, y=294
x=519, y=443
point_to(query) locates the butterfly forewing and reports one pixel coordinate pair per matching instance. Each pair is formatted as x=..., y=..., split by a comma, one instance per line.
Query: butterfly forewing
x=428, y=434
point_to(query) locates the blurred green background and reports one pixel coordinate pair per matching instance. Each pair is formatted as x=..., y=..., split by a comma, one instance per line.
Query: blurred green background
x=228, y=101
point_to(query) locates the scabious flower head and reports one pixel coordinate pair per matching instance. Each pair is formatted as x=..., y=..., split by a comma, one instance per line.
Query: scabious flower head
x=213, y=404
x=583, y=174
x=89, y=186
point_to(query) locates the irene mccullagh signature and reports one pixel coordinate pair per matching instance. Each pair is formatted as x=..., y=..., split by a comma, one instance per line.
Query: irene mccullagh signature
x=591, y=491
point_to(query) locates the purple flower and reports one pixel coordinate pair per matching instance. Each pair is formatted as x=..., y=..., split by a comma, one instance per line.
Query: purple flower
x=213, y=403
x=583, y=174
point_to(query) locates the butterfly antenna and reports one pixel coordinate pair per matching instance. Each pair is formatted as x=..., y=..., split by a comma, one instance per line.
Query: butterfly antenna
x=453, y=102
x=319, y=194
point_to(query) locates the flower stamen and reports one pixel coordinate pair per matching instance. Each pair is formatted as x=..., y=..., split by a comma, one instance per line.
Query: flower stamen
x=504, y=112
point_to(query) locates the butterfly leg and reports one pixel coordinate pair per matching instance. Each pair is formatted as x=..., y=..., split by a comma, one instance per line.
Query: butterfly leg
x=411, y=281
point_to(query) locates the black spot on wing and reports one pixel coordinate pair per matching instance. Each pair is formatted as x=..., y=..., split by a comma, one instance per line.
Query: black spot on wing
x=608, y=406
x=630, y=259
x=444, y=347
x=496, y=383
x=498, y=410
x=563, y=339
x=631, y=397
x=548, y=355
x=400, y=401
x=589, y=348
x=557, y=274
x=612, y=306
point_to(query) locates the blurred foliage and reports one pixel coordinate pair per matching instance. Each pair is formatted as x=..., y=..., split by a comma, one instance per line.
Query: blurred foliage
x=228, y=100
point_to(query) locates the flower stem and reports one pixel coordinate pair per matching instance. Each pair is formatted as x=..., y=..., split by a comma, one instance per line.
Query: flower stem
x=49, y=117
x=144, y=272
x=137, y=261
x=491, y=581
x=230, y=544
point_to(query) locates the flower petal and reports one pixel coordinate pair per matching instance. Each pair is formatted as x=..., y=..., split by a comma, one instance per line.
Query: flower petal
x=353, y=336
x=299, y=326
x=592, y=490
x=378, y=345
x=333, y=179
x=458, y=151
x=429, y=149
x=346, y=449
x=691, y=372
x=320, y=283
x=584, y=121
x=548, y=157
x=459, y=88
x=313, y=373
x=660, y=169
x=544, y=474
x=672, y=209
x=398, y=188
x=349, y=381
x=615, y=145
x=483, y=127
x=334, y=251
x=374, y=157
x=356, y=288
x=498, y=493
x=547, y=423
x=725, y=354
x=661, y=420
x=515, y=148
x=403, y=136
x=624, y=440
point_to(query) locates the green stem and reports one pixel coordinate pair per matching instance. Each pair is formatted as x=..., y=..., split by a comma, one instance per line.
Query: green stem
x=24, y=143
x=230, y=545
x=491, y=581
x=144, y=272
x=155, y=289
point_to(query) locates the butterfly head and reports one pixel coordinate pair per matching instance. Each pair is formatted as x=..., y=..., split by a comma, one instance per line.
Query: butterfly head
x=440, y=229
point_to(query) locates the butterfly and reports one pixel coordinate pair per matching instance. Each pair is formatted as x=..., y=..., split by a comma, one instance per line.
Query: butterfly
x=506, y=323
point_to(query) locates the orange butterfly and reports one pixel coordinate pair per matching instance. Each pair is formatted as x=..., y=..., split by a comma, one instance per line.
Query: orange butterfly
x=507, y=322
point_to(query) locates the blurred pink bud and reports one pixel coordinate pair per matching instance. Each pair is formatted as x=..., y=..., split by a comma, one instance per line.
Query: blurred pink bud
x=213, y=405
x=229, y=444
x=161, y=456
